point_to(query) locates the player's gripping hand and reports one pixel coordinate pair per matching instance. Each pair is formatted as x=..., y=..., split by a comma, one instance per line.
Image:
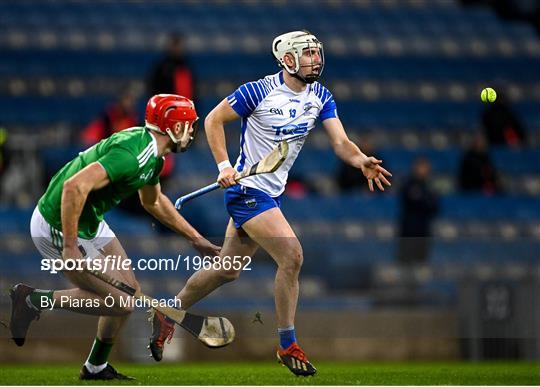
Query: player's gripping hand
x=72, y=253
x=226, y=177
x=205, y=247
x=372, y=170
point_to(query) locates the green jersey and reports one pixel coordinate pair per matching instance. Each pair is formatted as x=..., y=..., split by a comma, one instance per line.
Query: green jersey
x=130, y=159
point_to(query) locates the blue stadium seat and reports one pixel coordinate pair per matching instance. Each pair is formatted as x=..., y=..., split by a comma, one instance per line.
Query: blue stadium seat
x=471, y=207
x=357, y=208
x=524, y=161
x=15, y=220
x=471, y=252
x=126, y=224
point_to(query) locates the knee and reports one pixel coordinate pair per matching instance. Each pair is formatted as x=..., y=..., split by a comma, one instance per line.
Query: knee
x=293, y=258
x=229, y=275
x=124, y=305
x=124, y=310
x=128, y=307
x=135, y=285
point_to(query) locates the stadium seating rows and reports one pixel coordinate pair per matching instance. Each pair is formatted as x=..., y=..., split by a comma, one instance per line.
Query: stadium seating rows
x=223, y=25
x=389, y=114
x=345, y=208
x=126, y=63
x=198, y=163
x=319, y=167
x=402, y=18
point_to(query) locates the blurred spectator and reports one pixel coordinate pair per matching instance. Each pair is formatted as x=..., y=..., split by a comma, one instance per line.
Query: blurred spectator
x=4, y=154
x=172, y=74
x=419, y=206
x=501, y=125
x=4, y=163
x=528, y=10
x=477, y=171
x=118, y=116
x=297, y=187
x=20, y=172
x=351, y=179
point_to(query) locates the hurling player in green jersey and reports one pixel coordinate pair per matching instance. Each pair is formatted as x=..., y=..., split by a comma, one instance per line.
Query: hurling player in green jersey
x=68, y=223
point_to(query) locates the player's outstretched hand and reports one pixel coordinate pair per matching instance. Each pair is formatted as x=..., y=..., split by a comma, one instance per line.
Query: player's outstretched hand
x=372, y=170
x=226, y=177
x=206, y=248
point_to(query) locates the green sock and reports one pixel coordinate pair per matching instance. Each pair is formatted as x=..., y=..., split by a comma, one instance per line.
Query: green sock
x=100, y=352
x=41, y=299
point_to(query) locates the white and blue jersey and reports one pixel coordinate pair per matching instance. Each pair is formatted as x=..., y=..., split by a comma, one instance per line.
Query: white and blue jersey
x=271, y=112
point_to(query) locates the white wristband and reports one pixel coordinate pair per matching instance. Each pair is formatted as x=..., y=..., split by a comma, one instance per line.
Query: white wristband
x=224, y=164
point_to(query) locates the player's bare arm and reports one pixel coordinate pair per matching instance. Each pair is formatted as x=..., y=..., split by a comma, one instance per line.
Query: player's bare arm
x=349, y=152
x=74, y=195
x=215, y=133
x=159, y=206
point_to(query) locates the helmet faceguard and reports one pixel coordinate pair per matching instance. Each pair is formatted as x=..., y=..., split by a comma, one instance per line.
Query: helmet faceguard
x=166, y=113
x=295, y=43
x=187, y=134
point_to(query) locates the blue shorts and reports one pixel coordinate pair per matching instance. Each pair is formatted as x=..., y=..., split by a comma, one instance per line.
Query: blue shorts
x=244, y=203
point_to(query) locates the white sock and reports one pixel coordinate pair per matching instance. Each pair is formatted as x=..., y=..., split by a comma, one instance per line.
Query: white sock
x=94, y=369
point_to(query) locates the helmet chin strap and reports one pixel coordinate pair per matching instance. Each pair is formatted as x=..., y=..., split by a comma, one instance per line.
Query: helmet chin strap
x=309, y=79
x=301, y=79
x=185, y=138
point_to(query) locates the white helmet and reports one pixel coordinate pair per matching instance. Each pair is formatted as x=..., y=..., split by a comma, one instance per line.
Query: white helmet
x=294, y=43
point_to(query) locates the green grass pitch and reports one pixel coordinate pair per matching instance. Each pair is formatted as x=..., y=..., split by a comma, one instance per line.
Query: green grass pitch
x=492, y=373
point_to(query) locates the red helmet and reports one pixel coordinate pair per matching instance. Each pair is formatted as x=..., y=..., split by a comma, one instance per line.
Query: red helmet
x=164, y=111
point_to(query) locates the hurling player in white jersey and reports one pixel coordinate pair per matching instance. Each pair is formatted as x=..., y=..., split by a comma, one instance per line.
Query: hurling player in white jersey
x=284, y=106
